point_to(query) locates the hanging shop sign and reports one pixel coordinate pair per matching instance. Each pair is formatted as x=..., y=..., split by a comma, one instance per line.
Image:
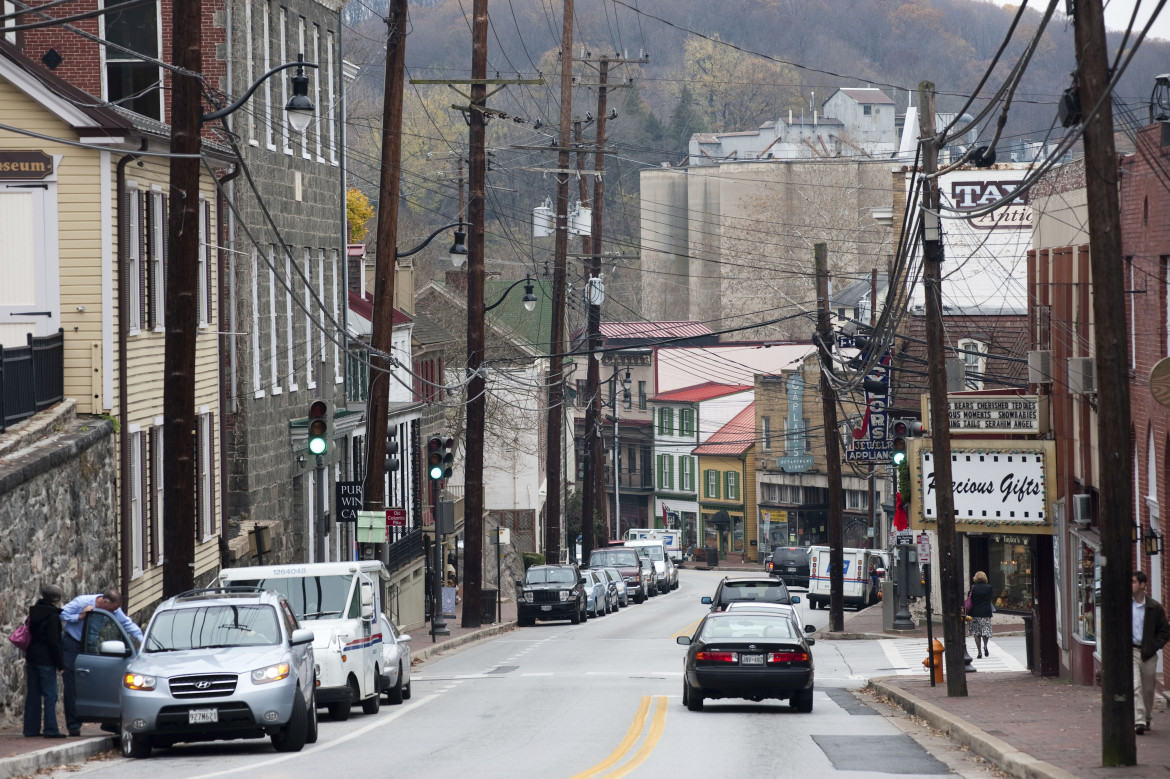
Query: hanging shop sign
x=869, y=443
x=1002, y=414
x=1006, y=486
x=25, y=165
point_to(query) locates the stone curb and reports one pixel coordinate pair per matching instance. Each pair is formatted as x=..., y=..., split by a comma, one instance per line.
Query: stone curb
x=1015, y=762
x=50, y=757
x=431, y=652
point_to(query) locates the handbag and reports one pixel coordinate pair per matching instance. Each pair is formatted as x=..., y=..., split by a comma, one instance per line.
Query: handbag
x=21, y=637
x=967, y=602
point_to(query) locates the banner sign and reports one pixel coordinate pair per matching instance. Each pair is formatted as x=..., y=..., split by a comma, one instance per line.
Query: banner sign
x=1002, y=485
x=869, y=443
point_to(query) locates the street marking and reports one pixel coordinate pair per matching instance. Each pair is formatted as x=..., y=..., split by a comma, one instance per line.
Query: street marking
x=648, y=745
x=329, y=744
x=689, y=629
x=631, y=736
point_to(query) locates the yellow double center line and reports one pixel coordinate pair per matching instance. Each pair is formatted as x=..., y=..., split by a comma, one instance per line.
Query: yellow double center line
x=657, y=726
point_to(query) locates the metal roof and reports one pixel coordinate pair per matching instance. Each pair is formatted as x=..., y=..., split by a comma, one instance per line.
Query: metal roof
x=734, y=438
x=698, y=392
x=654, y=329
x=869, y=95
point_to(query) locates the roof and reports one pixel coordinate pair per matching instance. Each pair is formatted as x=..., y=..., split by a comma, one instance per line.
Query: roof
x=362, y=308
x=734, y=438
x=868, y=95
x=654, y=329
x=427, y=331
x=78, y=109
x=699, y=392
x=852, y=294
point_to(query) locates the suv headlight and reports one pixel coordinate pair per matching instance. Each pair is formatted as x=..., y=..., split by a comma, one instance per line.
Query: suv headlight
x=139, y=682
x=565, y=594
x=272, y=673
x=528, y=596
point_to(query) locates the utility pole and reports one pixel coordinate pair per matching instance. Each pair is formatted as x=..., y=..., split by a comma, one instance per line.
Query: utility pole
x=181, y=309
x=598, y=451
x=556, y=410
x=832, y=446
x=950, y=567
x=1118, y=746
x=385, y=260
x=476, y=388
x=591, y=499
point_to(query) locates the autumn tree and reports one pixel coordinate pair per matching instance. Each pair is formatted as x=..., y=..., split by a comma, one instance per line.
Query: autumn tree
x=358, y=211
x=734, y=90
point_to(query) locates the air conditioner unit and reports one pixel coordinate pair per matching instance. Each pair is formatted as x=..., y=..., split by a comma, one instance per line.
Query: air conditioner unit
x=1040, y=367
x=1082, y=376
x=1082, y=509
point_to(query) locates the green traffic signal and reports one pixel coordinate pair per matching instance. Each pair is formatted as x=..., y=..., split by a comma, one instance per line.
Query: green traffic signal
x=318, y=432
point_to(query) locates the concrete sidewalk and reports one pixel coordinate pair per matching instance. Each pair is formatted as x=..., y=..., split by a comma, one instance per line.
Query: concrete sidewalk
x=867, y=624
x=1029, y=726
x=20, y=756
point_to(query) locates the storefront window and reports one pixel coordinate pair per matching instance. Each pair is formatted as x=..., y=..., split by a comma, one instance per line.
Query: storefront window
x=1010, y=572
x=1086, y=588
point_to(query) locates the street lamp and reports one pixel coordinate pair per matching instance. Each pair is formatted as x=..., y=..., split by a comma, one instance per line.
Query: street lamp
x=529, y=298
x=299, y=107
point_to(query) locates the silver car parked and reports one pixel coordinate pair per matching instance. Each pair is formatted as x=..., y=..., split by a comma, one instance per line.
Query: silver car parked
x=220, y=663
x=395, y=661
x=622, y=591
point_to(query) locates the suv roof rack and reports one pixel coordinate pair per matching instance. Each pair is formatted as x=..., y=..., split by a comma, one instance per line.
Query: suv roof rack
x=225, y=590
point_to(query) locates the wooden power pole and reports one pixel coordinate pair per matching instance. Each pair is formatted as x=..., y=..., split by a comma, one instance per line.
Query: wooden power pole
x=950, y=567
x=556, y=408
x=832, y=446
x=597, y=453
x=1118, y=746
x=182, y=298
x=385, y=260
x=591, y=500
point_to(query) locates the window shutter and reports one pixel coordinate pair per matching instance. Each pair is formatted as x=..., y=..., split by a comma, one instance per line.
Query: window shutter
x=212, y=522
x=146, y=485
x=160, y=283
x=155, y=438
x=207, y=241
x=144, y=244
x=198, y=476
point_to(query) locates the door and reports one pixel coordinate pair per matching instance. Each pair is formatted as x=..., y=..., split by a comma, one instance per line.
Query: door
x=99, y=677
x=29, y=299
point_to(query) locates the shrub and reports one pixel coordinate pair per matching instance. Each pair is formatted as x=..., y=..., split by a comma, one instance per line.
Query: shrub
x=532, y=558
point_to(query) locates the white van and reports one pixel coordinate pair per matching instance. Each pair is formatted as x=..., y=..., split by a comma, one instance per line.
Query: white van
x=671, y=539
x=340, y=603
x=856, y=588
x=654, y=551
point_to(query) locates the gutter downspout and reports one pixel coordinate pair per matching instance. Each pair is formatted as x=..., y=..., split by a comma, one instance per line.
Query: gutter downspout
x=227, y=345
x=124, y=529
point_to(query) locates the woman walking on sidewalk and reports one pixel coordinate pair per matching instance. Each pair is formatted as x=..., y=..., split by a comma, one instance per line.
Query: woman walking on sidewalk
x=980, y=612
x=44, y=660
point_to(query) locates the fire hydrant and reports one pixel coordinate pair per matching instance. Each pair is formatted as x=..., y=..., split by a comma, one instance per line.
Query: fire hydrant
x=936, y=649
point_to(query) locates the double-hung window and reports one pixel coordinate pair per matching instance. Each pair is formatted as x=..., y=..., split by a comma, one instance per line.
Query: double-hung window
x=666, y=421
x=731, y=479
x=133, y=83
x=712, y=490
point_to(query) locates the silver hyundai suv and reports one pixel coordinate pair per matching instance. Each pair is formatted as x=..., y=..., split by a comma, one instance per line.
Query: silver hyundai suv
x=221, y=663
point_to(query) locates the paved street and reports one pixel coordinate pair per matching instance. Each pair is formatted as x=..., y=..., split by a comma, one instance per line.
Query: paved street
x=599, y=699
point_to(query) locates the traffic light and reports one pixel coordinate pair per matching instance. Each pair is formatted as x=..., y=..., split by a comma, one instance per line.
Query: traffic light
x=900, y=430
x=320, y=423
x=439, y=458
x=391, y=447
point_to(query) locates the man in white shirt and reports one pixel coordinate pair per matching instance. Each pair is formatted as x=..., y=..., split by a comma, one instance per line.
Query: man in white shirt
x=1149, y=633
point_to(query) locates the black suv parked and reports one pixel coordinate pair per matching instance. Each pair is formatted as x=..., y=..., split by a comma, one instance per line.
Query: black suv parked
x=751, y=589
x=550, y=592
x=790, y=564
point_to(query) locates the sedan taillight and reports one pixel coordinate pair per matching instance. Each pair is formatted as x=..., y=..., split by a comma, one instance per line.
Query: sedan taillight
x=718, y=657
x=788, y=657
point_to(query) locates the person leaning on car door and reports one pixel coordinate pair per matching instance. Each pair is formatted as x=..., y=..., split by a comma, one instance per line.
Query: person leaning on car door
x=73, y=615
x=43, y=661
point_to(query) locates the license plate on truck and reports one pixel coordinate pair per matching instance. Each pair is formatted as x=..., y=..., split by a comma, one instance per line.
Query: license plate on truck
x=202, y=716
x=546, y=608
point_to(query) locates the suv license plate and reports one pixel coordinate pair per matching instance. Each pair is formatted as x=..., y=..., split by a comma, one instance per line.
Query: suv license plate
x=202, y=716
x=546, y=608
x=792, y=570
x=751, y=659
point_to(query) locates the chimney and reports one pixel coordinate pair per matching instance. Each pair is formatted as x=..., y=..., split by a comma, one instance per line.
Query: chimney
x=457, y=280
x=814, y=117
x=789, y=116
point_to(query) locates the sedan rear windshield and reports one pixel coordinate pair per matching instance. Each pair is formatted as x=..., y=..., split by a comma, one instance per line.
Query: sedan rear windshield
x=213, y=627
x=653, y=552
x=765, y=591
x=748, y=626
x=618, y=558
x=549, y=576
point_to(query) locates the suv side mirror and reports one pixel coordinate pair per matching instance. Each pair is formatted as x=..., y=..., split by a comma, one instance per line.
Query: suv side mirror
x=114, y=649
x=519, y=584
x=796, y=599
x=301, y=636
x=706, y=599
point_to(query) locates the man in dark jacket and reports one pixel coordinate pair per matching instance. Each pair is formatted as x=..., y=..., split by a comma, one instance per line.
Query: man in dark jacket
x=43, y=661
x=1151, y=631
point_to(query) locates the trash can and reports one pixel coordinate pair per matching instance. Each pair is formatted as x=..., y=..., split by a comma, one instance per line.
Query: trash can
x=1028, y=638
x=712, y=556
x=487, y=606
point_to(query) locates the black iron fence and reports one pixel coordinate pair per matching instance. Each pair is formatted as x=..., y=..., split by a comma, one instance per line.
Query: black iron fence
x=32, y=377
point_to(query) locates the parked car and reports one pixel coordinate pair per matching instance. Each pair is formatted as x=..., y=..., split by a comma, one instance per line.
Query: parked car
x=655, y=553
x=790, y=564
x=219, y=663
x=596, y=593
x=637, y=572
x=395, y=661
x=754, y=589
x=619, y=584
x=747, y=655
x=671, y=573
x=551, y=592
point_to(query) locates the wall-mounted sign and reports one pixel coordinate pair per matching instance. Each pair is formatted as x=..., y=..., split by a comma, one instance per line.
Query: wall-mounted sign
x=870, y=443
x=969, y=195
x=796, y=460
x=1004, y=486
x=349, y=500
x=25, y=165
x=620, y=358
x=396, y=517
x=1026, y=414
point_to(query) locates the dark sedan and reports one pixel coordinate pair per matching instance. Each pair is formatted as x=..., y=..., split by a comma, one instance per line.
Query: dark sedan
x=750, y=656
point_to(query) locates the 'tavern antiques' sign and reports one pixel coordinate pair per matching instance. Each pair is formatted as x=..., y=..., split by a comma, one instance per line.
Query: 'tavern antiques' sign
x=25, y=165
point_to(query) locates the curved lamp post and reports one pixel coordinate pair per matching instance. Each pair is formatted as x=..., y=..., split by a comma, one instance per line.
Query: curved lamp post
x=299, y=107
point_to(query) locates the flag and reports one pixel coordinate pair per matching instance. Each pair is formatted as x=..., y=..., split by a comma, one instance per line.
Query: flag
x=901, y=520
